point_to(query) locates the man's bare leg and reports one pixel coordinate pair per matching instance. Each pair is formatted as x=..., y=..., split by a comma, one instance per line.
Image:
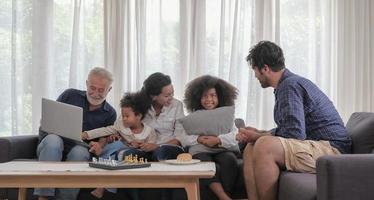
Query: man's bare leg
x=249, y=178
x=268, y=159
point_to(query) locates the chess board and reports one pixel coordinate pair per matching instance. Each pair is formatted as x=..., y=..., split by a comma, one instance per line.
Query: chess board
x=110, y=164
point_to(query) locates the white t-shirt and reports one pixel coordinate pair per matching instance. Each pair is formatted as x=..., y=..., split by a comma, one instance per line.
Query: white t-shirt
x=148, y=134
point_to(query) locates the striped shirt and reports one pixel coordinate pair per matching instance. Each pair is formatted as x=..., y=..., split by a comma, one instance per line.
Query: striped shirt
x=302, y=111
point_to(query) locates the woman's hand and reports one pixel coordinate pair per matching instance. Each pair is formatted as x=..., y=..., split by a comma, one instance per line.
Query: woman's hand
x=147, y=147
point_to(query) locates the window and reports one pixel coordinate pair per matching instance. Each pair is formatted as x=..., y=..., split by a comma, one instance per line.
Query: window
x=32, y=65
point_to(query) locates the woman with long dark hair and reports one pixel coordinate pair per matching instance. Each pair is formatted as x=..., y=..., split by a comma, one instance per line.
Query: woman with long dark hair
x=162, y=116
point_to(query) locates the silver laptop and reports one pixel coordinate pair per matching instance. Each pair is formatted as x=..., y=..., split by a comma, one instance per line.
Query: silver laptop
x=62, y=119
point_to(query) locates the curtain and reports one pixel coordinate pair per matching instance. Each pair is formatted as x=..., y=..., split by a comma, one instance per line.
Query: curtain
x=125, y=30
x=213, y=37
x=184, y=39
x=47, y=47
x=331, y=43
x=354, y=22
x=266, y=27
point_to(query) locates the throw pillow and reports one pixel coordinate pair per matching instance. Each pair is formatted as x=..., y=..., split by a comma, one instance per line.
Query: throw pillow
x=209, y=122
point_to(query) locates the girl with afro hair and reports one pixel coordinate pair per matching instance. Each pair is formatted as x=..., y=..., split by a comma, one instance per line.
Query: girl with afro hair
x=208, y=93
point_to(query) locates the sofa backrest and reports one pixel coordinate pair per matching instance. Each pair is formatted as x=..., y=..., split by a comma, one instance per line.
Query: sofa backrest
x=360, y=127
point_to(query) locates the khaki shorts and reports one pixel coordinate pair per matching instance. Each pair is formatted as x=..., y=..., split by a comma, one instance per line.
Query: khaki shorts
x=301, y=155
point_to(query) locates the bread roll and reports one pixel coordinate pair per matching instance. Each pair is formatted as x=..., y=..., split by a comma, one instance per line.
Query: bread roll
x=184, y=157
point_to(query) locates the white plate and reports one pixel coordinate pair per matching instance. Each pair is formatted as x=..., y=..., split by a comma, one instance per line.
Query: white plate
x=177, y=162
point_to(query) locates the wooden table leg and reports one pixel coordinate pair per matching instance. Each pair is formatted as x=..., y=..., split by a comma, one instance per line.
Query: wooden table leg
x=192, y=189
x=22, y=193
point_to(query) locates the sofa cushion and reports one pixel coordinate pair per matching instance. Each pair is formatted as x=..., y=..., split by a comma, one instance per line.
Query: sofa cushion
x=209, y=122
x=296, y=186
x=361, y=129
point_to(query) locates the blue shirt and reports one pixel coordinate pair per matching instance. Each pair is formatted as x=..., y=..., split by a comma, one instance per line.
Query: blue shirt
x=101, y=117
x=302, y=111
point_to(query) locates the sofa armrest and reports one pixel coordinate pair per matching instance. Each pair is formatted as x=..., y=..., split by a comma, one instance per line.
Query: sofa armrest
x=18, y=147
x=349, y=176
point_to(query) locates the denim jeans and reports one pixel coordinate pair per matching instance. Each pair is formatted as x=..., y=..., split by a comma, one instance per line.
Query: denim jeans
x=111, y=149
x=52, y=148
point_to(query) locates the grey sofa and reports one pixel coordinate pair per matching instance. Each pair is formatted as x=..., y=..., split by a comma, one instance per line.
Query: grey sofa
x=24, y=147
x=343, y=177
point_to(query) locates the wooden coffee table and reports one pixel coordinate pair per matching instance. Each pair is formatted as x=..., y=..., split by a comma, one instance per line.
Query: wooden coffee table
x=33, y=174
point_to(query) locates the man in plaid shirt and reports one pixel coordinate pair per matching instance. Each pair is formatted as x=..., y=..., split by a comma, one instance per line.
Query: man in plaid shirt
x=308, y=126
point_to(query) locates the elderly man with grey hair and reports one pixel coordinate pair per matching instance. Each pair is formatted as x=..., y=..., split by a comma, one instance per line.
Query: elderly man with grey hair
x=96, y=113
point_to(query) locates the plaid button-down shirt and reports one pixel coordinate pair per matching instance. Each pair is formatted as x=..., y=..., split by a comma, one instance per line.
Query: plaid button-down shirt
x=302, y=111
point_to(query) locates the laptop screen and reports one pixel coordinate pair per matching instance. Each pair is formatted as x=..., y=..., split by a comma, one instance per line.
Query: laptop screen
x=61, y=119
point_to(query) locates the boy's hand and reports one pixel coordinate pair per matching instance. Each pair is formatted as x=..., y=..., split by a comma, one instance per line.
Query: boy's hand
x=134, y=144
x=113, y=137
x=95, y=148
x=84, y=136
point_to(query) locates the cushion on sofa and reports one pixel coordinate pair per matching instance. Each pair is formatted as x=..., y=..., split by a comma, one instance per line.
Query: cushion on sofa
x=361, y=129
x=209, y=122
